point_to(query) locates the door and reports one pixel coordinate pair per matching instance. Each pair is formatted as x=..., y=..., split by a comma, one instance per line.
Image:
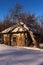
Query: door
x=14, y=40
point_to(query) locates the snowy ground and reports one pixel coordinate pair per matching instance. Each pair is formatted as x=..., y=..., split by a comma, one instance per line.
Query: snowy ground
x=20, y=56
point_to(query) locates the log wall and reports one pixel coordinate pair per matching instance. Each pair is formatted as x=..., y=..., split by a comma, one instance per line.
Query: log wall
x=19, y=39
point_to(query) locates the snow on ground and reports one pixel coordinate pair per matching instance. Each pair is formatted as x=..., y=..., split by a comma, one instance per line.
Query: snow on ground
x=20, y=56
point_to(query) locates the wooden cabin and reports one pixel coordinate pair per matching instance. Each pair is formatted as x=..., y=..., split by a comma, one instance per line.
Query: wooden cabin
x=17, y=35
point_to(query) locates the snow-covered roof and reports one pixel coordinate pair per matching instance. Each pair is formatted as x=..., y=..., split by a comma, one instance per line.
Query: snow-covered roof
x=19, y=28
x=7, y=30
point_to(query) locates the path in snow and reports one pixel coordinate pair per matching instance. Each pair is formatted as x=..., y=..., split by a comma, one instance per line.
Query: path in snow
x=20, y=56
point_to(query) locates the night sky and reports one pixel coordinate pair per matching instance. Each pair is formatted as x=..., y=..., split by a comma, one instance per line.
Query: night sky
x=34, y=6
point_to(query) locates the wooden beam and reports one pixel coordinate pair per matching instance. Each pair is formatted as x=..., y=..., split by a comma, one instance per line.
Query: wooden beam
x=36, y=44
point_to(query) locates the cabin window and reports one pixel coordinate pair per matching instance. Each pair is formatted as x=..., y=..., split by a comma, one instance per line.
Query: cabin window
x=14, y=39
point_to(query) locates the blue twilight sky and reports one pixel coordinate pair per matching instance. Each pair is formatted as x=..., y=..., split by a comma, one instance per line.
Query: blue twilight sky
x=34, y=6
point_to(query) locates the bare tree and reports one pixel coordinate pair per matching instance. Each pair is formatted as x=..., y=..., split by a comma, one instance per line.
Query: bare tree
x=15, y=13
